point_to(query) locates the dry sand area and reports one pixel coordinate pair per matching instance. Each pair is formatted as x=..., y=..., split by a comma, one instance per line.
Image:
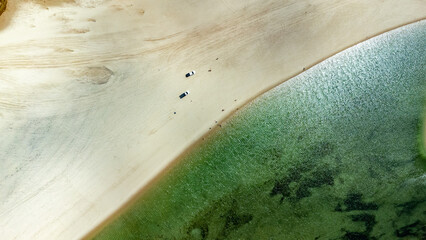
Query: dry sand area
x=88, y=90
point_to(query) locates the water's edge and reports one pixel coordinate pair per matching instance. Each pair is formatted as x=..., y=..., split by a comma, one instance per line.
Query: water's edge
x=277, y=185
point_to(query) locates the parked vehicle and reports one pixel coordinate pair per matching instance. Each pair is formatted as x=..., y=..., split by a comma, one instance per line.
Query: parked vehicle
x=190, y=74
x=183, y=94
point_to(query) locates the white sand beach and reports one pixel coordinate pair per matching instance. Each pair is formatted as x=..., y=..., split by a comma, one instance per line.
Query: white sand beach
x=89, y=90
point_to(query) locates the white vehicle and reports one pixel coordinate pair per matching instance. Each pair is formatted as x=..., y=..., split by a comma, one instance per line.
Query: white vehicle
x=183, y=94
x=190, y=74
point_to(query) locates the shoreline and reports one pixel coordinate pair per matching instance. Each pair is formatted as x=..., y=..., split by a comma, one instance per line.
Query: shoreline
x=199, y=141
x=90, y=112
x=216, y=178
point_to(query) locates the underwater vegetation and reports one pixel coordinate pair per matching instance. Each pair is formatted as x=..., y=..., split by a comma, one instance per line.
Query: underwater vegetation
x=330, y=154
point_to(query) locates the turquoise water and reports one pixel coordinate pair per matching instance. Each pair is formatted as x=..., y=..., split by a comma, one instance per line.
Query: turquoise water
x=330, y=154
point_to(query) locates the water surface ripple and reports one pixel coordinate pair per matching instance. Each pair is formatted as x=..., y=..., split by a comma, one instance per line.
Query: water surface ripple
x=330, y=154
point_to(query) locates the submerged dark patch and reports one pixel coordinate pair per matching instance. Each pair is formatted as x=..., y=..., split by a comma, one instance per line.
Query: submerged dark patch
x=223, y=216
x=233, y=220
x=356, y=236
x=304, y=176
x=281, y=187
x=353, y=201
x=408, y=207
x=416, y=229
x=368, y=219
x=329, y=158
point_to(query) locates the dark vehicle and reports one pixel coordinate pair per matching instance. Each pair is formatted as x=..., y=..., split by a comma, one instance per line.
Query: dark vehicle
x=183, y=94
x=190, y=74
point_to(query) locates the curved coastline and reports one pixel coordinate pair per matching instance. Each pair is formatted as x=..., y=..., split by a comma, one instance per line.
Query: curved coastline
x=195, y=144
x=95, y=135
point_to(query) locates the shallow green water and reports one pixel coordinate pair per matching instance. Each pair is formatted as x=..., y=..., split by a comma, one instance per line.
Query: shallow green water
x=330, y=154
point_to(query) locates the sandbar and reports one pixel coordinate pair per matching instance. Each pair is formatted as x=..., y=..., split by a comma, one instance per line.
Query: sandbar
x=89, y=90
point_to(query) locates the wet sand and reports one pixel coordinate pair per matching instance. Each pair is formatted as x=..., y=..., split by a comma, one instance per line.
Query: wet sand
x=88, y=90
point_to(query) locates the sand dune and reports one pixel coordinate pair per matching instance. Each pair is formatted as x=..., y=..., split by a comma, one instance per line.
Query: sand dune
x=88, y=90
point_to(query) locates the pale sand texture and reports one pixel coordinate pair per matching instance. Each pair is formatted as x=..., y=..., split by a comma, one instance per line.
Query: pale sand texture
x=88, y=89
